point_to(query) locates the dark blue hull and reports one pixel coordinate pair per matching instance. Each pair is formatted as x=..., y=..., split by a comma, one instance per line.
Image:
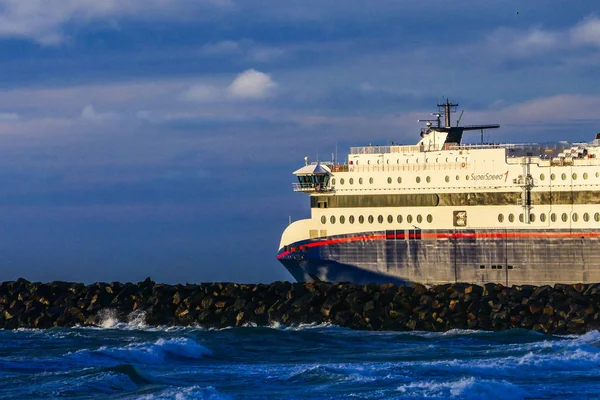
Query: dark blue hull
x=434, y=257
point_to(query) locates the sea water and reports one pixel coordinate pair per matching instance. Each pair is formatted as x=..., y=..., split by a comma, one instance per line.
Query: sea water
x=133, y=361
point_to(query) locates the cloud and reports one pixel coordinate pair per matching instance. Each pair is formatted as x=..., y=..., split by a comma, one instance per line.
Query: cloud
x=89, y=113
x=251, y=84
x=44, y=21
x=224, y=47
x=202, y=93
x=9, y=117
x=247, y=49
x=587, y=32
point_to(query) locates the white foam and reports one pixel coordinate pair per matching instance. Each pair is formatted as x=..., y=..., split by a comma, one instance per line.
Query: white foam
x=464, y=388
x=185, y=393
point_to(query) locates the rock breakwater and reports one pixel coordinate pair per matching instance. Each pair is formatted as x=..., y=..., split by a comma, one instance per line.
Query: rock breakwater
x=558, y=309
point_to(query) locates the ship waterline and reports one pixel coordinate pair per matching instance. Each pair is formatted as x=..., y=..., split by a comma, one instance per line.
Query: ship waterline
x=444, y=212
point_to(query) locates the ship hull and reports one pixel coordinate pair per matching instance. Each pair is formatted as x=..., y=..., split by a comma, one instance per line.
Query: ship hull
x=535, y=257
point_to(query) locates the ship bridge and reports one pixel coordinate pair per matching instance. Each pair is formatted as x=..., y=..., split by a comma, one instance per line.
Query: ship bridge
x=313, y=178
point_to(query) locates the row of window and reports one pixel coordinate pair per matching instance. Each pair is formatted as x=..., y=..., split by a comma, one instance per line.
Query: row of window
x=417, y=160
x=553, y=217
x=380, y=219
x=564, y=176
x=418, y=179
x=497, y=266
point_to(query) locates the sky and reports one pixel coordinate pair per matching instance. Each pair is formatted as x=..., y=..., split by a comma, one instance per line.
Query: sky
x=158, y=138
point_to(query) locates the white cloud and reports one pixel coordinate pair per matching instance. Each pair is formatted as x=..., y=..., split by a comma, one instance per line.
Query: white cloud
x=9, y=117
x=202, y=93
x=225, y=47
x=587, y=32
x=251, y=84
x=89, y=113
x=43, y=20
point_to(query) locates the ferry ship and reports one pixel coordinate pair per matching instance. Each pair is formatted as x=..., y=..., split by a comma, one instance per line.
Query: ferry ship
x=442, y=212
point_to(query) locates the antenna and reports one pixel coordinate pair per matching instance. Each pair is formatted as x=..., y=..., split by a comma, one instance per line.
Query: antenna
x=447, y=108
x=459, y=118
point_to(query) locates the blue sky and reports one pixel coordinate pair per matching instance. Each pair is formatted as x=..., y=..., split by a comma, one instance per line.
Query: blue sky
x=157, y=138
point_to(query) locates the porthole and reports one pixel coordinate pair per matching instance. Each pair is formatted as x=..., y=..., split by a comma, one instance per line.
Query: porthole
x=390, y=219
x=597, y=217
x=351, y=181
x=399, y=219
x=361, y=219
x=342, y=219
x=360, y=181
x=521, y=218
x=553, y=217
x=371, y=219
x=552, y=177
x=323, y=220
x=511, y=218
x=342, y=181
x=500, y=218
x=332, y=219
x=333, y=181
x=368, y=162
x=387, y=161
x=390, y=181
x=418, y=179
x=575, y=217
x=430, y=218
x=351, y=219
x=564, y=217
x=377, y=161
x=371, y=180
x=574, y=176
x=447, y=179
x=409, y=219
x=543, y=217
x=542, y=177
x=399, y=180
x=419, y=218
x=531, y=217
x=428, y=179
x=586, y=217
x=380, y=219
x=457, y=177
x=585, y=175
x=467, y=177
x=597, y=174
x=563, y=176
